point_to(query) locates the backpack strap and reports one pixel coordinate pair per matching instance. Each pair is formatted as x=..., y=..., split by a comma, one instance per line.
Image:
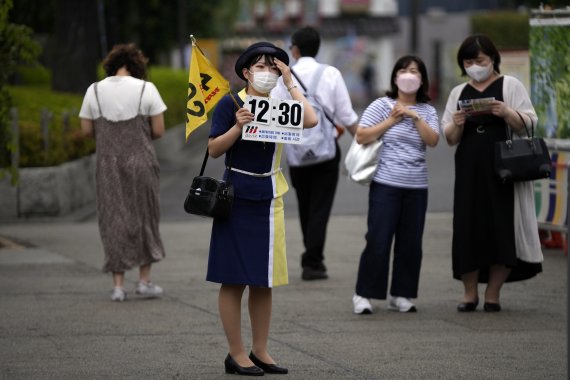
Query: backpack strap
x=316, y=80
x=314, y=83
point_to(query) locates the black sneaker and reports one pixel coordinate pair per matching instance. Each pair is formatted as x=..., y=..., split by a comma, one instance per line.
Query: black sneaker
x=310, y=274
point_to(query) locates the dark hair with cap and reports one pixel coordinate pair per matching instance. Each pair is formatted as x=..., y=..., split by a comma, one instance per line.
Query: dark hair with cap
x=126, y=55
x=405, y=61
x=253, y=54
x=475, y=44
x=308, y=41
x=267, y=58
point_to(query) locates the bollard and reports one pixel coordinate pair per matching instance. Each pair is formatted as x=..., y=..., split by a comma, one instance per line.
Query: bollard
x=15, y=154
x=65, y=120
x=45, y=120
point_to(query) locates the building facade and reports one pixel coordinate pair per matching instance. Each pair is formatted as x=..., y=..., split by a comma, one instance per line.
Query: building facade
x=354, y=33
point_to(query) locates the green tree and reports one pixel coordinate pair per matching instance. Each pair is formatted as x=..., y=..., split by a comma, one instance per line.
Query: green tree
x=77, y=32
x=157, y=26
x=16, y=47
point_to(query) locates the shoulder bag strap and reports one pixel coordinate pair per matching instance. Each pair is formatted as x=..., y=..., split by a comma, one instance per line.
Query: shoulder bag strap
x=140, y=99
x=205, y=161
x=206, y=155
x=529, y=134
x=97, y=98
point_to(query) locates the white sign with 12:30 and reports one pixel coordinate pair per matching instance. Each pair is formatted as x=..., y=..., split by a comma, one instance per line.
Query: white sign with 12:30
x=275, y=120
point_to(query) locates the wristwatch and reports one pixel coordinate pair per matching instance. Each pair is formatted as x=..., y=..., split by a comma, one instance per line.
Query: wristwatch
x=417, y=117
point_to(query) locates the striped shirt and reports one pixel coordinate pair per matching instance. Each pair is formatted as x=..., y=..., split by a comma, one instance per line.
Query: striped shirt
x=403, y=155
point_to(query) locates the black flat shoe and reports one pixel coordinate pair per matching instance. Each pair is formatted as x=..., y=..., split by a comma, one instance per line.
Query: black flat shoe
x=491, y=306
x=310, y=274
x=233, y=367
x=467, y=306
x=269, y=368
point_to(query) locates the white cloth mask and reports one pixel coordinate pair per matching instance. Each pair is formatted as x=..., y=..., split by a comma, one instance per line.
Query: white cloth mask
x=408, y=83
x=479, y=73
x=264, y=81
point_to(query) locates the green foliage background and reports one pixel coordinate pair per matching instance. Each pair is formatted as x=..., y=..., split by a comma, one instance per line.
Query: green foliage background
x=67, y=143
x=156, y=26
x=507, y=29
x=16, y=47
x=550, y=76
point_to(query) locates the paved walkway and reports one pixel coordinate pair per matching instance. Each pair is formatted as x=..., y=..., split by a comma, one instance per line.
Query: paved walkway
x=57, y=321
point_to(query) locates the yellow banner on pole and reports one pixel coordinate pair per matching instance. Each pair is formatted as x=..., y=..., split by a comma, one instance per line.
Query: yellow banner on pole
x=206, y=86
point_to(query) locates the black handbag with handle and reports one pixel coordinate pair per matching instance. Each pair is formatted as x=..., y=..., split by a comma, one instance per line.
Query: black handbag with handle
x=523, y=159
x=209, y=196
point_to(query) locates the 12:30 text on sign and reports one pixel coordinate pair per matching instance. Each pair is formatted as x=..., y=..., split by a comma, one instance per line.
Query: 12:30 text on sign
x=275, y=120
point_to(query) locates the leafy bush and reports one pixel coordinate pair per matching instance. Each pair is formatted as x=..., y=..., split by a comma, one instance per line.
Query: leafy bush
x=32, y=75
x=16, y=47
x=173, y=87
x=65, y=140
x=507, y=29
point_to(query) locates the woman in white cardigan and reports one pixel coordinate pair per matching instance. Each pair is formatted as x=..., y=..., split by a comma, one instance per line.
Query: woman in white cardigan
x=495, y=232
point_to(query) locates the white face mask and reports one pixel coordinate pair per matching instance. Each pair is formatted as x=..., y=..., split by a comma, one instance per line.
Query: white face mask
x=479, y=73
x=408, y=83
x=263, y=81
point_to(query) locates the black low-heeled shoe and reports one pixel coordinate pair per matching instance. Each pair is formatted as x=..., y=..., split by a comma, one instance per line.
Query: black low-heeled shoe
x=233, y=367
x=269, y=368
x=467, y=306
x=491, y=307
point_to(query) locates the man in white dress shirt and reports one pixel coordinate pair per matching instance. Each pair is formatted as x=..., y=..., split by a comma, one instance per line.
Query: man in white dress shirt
x=314, y=172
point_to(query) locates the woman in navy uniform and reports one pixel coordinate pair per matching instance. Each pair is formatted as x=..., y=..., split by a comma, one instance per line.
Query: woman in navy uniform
x=248, y=248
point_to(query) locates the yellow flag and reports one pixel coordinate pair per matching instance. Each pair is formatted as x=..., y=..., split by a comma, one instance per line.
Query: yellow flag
x=206, y=86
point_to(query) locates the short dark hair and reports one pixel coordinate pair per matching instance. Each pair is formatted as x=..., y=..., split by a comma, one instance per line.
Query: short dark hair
x=475, y=44
x=405, y=61
x=269, y=60
x=308, y=41
x=126, y=55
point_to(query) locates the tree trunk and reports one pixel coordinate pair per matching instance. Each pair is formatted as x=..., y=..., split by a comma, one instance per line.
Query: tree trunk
x=76, y=46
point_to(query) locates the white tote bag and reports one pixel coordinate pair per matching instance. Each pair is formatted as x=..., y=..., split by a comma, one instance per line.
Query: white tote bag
x=361, y=161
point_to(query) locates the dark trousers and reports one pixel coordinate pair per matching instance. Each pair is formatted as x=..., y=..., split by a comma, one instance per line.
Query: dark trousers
x=315, y=186
x=392, y=213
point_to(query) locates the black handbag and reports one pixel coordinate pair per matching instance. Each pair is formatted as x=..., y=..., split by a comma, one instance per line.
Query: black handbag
x=209, y=196
x=524, y=159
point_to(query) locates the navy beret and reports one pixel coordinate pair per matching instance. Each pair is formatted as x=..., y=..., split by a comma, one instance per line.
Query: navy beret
x=256, y=49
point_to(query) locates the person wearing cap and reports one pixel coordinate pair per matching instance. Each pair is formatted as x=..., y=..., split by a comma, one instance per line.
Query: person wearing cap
x=314, y=167
x=248, y=248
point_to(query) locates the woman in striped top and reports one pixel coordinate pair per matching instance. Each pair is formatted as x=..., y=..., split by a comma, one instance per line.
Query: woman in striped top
x=398, y=194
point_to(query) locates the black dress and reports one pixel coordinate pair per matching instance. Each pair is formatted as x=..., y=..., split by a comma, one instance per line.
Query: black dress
x=483, y=210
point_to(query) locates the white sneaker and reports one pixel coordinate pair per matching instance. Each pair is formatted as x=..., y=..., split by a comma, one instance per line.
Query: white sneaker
x=401, y=304
x=361, y=305
x=118, y=295
x=148, y=289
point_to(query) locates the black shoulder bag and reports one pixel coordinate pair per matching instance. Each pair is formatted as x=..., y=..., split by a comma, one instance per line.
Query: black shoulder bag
x=209, y=196
x=523, y=159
